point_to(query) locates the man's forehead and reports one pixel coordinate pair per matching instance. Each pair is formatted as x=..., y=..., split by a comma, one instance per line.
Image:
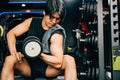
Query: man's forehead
x=56, y=15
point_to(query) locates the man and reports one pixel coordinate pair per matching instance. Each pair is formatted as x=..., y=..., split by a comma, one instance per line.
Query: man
x=48, y=64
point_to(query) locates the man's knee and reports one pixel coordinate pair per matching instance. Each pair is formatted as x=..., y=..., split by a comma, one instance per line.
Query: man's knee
x=9, y=60
x=69, y=59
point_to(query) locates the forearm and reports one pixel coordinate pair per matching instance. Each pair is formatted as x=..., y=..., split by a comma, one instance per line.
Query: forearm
x=11, y=42
x=51, y=60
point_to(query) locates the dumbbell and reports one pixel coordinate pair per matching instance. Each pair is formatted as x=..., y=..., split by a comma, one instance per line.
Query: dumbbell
x=32, y=47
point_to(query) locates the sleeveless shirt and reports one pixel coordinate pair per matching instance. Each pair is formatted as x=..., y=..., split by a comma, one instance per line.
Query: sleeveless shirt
x=36, y=28
x=44, y=35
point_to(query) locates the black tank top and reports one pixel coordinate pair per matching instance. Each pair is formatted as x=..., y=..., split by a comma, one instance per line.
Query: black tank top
x=36, y=28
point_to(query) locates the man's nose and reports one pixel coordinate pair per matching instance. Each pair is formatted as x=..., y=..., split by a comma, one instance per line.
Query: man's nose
x=54, y=20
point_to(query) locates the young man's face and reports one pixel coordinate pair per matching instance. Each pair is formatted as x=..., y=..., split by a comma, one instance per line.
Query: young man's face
x=50, y=21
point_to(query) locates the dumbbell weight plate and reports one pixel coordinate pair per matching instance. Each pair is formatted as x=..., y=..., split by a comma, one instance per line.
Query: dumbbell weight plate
x=32, y=47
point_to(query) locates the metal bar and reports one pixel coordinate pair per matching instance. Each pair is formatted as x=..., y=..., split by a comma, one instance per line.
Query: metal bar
x=20, y=11
x=100, y=40
x=114, y=23
x=27, y=2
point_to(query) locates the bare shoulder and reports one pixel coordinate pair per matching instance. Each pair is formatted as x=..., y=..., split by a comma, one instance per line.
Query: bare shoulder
x=28, y=21
x=21, y=28
x=25, y=24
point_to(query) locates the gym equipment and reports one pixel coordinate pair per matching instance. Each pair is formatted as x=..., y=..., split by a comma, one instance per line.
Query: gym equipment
x=90, y=40
x=116, y=58
x=32, y=47
x=88, y=10
x=1, y=31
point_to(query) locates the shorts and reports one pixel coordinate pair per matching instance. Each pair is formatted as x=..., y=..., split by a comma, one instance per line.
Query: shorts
x=38, y=67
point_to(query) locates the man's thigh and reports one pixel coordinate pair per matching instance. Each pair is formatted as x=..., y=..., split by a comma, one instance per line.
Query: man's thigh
x=23, y=68
x=52, y=72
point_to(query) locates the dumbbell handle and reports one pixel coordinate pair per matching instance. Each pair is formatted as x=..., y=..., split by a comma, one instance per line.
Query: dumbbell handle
x=82, y=40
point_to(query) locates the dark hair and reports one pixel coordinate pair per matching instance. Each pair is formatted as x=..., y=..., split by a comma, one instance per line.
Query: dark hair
x=53, y=6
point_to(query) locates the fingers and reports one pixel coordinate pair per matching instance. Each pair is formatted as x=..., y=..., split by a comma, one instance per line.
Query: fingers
x=19, y=56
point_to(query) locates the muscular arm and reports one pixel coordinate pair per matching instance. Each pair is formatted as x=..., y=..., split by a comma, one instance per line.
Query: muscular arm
x=15, y=32
x=56, y=49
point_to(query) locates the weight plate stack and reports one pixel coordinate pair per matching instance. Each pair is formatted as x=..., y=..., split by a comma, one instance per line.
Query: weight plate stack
x=89, y=10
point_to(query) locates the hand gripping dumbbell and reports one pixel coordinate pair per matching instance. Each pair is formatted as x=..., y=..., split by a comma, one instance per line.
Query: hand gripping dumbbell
x=32, y=47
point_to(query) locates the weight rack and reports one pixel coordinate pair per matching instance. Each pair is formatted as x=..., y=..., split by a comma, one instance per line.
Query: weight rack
x=114, y=36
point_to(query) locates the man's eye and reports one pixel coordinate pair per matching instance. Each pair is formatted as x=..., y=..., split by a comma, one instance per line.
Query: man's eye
x=51, y=17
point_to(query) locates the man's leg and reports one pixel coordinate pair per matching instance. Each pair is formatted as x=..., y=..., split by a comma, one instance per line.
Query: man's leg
x=9, y=66
x=68, y=66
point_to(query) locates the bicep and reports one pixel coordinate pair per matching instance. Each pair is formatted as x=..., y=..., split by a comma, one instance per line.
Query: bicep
x=56, y=45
